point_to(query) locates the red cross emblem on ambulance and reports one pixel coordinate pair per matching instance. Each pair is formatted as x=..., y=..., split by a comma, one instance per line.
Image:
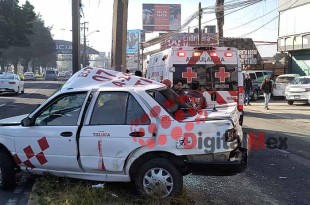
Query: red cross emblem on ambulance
x=189, y=75
x=222, y=75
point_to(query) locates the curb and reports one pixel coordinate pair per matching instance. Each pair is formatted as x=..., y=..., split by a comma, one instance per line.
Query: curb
x=32, y=197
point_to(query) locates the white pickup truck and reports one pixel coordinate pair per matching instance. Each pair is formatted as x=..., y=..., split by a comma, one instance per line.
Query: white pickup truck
x=105, y=125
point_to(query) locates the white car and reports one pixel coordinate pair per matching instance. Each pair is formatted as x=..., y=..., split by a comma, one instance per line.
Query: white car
x=29, y=76
x=11, y=83
x=282, y=81
x=298, y=90
x=106, y=125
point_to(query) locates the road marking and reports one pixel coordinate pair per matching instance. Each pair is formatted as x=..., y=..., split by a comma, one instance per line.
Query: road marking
x=300, y=160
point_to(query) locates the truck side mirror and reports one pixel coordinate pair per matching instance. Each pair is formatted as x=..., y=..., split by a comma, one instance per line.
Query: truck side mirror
x=26, y=122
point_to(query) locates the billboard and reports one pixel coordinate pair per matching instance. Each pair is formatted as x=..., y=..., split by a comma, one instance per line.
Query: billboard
x=189, y=39
x=133, y=40
x=248, y=57
x=161, y=17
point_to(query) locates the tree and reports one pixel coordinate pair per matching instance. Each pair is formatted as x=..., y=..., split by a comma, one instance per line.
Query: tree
x=41, y=51
x=15, y=25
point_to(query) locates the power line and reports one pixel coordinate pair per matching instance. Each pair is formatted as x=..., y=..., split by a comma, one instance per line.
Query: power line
x=259, y=27
x=266, y=23
x=257, y=17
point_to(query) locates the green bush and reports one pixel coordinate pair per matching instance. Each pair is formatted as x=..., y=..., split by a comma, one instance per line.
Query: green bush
x=39, y=75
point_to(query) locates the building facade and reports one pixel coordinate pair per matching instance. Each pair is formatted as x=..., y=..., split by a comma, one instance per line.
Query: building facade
x=294, y=34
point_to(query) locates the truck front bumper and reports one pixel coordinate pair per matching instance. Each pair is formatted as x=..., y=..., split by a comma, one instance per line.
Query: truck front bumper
x=220, y=164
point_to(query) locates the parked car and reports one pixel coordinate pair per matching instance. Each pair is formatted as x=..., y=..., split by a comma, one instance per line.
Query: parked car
x=282, y=81
x=11, y=83
x=257, y=77
x=50, y=75
x=29, y=76
x=110, y=126
x=298, y=90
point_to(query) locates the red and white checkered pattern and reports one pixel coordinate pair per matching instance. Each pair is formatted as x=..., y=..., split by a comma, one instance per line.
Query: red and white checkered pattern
x=29, y=153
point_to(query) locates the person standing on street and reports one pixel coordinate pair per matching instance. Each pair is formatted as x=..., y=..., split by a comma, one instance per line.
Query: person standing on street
x=247, y=89
x=266, y=87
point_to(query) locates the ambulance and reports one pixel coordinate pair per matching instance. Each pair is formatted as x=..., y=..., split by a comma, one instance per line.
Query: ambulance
x=217, y=69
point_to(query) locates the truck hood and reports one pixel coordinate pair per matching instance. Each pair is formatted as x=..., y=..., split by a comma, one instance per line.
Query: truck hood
x=13, y=120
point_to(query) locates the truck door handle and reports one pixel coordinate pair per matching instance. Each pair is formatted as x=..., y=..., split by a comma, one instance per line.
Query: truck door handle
x=137, y=134
x=66, y=134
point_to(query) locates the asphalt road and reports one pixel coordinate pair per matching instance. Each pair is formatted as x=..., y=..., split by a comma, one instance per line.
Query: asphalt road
x=274, y=176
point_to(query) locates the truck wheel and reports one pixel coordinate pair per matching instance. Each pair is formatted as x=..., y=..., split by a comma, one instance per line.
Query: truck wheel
x=244, y=162
x=7, y=174
x=255, y=95
x=159, y=177
x=290, y=102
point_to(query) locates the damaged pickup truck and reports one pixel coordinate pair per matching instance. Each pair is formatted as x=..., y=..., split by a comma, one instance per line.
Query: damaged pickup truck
x=104, y=125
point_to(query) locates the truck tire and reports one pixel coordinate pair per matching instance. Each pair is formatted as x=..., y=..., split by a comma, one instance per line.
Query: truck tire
x=159, y=177
x=290, y=102
x=7, y=174
x=254, y=97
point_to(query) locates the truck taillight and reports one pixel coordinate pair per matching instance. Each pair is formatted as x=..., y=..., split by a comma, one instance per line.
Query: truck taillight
x=240, y=98
x=228, y=54
x=231, y=135
x=181, y=53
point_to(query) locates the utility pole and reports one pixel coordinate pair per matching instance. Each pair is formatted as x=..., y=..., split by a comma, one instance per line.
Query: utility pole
x=76, y=35
x=84, y=42
x=199, y=23
x=119, y=34
x=142, y=48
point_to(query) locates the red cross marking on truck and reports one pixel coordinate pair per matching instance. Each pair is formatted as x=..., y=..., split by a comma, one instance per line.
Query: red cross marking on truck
x=189, y=75
x=222, y=75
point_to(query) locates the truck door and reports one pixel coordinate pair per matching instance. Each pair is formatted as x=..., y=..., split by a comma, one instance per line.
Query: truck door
x=116, y=126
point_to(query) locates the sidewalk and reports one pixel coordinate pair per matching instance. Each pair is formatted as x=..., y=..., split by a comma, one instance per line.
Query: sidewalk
x=297, y=115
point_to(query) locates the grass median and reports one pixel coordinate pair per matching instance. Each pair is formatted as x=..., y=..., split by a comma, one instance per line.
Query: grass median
x=50, y=190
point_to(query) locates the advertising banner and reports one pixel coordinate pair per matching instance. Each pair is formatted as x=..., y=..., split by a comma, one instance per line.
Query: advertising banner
x=161, y=17
x=189, y=39
x=133, y=39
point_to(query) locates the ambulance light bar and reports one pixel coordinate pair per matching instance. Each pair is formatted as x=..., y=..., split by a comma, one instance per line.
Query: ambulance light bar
x=228, y=54
x=181, y=53
x=213, y=54
x=197, y=54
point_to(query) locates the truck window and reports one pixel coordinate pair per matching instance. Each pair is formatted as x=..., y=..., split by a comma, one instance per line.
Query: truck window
x=110, y=109
x=63, y=112
x=260, y=76
x=210, y=77
x=118, y=108
x=252, y=76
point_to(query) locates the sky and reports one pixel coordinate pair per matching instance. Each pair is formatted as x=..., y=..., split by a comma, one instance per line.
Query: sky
x=99, y=14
